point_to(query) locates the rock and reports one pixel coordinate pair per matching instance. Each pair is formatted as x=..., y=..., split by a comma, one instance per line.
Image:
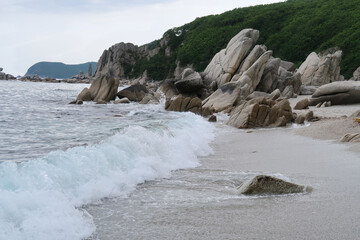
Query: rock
x=288, y=66
x=84, y=95
x=79, y=102
x=168, y=88
x=351, y=138
x=113, y=62
x=346, y=92
x=318, y=70
x=1, y=69
x=301, y=118
x=288, y=92
x=257, y=94
x=224, y=97
x=254, y=55
x=263, y=184
x=252, y=76
x=275, y=94
x=89, y=73
x=302, y=104
x=224, y=64
x=134, y=93
x=308, y=90
x=104, y=89
x=184, y=104
x=356, y=75
x=261, y=112
x=122, y=100
x=269, y=76
x=149, y=99
x=212, y=118
x=190, y=81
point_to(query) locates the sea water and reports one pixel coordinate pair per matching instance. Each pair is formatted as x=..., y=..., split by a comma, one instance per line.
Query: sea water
x=56, y=158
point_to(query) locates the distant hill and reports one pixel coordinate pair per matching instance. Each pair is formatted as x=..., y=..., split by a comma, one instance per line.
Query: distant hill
x=59, y=70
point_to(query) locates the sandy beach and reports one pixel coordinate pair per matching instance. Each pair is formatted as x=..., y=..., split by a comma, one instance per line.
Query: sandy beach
x=203, y=203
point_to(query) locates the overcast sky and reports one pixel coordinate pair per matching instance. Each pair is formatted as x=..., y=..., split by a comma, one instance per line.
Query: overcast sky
x=78, y=31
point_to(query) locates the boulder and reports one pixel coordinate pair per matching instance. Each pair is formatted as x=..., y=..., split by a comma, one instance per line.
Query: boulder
x=89, y=73
x=288, y=66
x=302, y=104
x=286, y=79
x=269, y=76
x=255, y=53
x=184, y=104
x=356, y=75
x=224, y=97
x=345, y=92
x=134, y=93
x=351, y=138
x=261, y=112
x=301, y=118
x=321, y=69
x=212, y=118
x=263, y=184
x=114, y=61
x=168, y=88
x=84, y=95
x=252, y=76
x=104, y=89
x=123, y=100
x=224, y=64
x=149, y=99
x=190, y=81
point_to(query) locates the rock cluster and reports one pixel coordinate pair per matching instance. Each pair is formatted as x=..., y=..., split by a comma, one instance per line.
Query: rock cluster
x=261, y=112
x=320, y=69
x=4, y=76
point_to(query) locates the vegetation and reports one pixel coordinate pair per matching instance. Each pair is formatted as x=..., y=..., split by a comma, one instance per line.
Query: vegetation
x=292, y=29
x=59, y=70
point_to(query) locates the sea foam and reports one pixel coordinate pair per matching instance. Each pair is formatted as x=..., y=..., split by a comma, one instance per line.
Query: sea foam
x=42, y=198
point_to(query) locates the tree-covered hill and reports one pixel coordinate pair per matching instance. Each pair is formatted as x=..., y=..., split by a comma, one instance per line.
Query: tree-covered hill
x=59, y=70
x=292, y=29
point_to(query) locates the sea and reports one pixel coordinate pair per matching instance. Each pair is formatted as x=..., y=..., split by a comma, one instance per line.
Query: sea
x=132, y=171
x=55, y=158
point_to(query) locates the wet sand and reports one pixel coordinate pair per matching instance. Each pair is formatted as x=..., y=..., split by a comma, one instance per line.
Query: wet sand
x=202, y=203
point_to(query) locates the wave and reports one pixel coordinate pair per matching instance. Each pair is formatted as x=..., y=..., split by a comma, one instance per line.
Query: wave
x=42, y=198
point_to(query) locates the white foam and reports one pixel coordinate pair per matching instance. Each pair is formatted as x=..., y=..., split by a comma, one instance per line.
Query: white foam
x=42, y=198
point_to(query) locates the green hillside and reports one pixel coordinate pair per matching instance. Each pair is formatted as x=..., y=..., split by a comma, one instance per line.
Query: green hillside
x=292, y=29
x=59, y=70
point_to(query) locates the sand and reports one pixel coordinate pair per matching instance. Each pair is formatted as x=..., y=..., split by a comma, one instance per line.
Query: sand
x=335, y=122
x=203, y=203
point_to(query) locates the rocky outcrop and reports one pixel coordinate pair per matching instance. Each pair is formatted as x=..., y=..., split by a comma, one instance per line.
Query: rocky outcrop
x=184, y=104
x=225, y=63
x=270, y=76
x=84, y=95
x=264, y=184
x=4, y=76
x=114, y=60
x=261, y=112
x=134, y=93
x=190, y=81
x=89, y=73
x=320, y=69
x=104, y=89
x=338, y=93
x=168, y=88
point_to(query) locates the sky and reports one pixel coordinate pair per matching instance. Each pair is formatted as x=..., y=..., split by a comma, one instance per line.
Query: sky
x=78, y=31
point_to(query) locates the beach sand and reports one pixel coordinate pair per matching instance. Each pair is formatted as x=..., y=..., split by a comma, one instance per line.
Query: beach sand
x=203, y=203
